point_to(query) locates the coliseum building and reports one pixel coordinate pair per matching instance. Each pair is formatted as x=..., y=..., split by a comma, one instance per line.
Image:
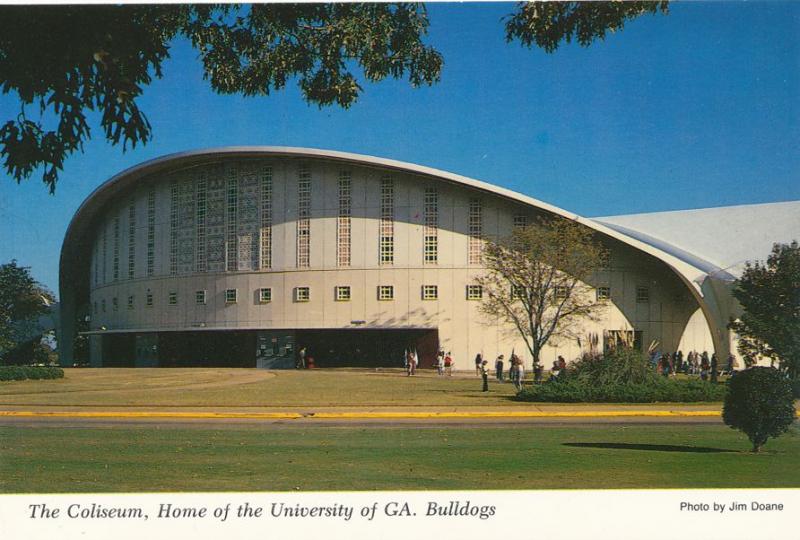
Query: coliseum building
x=240, y=256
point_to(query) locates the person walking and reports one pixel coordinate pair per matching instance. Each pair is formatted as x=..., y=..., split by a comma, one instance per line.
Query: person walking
x=538, y=369
x=485, y=375
x=301, y=358
x=498, y=368
x=448, y=364
x=704, y=366
x=478, y=363
x=731, y=362
x=714, y=365
x=411, y=364
x=519, y=375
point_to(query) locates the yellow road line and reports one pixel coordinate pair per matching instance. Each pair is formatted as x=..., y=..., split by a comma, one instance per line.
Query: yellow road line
x=357, y=414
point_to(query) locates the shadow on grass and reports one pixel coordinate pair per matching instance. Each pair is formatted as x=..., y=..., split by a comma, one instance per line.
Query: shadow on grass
x=650, y=447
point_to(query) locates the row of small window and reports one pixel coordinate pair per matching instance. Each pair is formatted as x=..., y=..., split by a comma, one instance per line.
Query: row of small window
x=342, y=293
x=603, y=293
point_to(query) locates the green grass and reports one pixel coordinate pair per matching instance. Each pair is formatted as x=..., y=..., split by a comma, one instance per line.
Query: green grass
x=251, y=388
x=243, y=458
x=220, y=387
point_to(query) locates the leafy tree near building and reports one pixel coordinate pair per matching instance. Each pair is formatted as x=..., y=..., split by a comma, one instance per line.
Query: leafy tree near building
x=769, y=293
x=22, y=301
x=536, y=281
x=62, y=63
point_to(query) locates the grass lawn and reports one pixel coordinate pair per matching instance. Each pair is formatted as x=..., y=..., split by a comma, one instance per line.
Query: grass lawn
x=251, y=388
x=219, y=387
x=242, y=458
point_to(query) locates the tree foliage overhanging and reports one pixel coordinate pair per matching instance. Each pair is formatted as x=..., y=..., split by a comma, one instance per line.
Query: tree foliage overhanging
x=62, y=62
x=770, y=297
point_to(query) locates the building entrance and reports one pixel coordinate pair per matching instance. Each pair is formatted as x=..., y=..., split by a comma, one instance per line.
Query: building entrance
x=367, y=347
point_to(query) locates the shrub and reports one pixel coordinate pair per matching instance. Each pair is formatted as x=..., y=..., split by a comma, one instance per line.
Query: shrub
x=20, y=373
x=575, y=390
x=759, y=403
x=621, y=365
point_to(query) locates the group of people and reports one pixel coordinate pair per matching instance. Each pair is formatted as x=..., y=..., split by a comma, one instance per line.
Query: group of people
x=516, y=370
x=444, y=363
x=693, y=364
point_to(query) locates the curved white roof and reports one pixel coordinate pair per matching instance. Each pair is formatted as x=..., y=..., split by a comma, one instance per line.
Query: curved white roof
x=719, y=240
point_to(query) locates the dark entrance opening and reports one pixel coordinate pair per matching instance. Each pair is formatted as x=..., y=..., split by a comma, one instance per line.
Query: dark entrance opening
x=367, y=347
x=119, y=350
x=207, y=349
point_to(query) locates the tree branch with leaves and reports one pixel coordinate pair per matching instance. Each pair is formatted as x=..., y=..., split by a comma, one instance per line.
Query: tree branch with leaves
x=61, y=63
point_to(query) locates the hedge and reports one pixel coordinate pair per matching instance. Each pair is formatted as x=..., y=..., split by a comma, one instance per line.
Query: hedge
x=661, y=390
x=20, y=373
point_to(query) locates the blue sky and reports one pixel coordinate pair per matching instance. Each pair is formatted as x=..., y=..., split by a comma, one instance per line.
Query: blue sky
x=695, y=109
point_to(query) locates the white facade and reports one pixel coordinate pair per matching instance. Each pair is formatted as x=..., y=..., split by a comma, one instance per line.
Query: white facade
x=280, y=240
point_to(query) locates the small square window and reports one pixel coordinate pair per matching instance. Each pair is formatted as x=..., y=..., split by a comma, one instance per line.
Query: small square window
x=264, y=295
x=103, y=305
x=385, y=292
x=517, y=291
x=474, y=292
x=560, y=292
x=114, y=303
x=343, y=293
x=149, y=300
x=302, y=294
x=430, y=292
x=173, y=299
x=130, y=302
x=642, y=295
x=231, y=296
x=200, y=297
x=603, y=293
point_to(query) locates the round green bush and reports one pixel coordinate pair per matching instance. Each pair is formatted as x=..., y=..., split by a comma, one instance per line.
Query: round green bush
x=760, y=403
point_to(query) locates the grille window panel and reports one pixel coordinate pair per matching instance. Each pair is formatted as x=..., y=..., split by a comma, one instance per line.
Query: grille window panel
x=265, y=232
x=431, y=227
x=386, y=232
x=302, y=294
x=231, y=296
x=475, y=231
x=430, y=292
x=343, y=223
x=385, y=292
x=474, y=292
x=303, y=218
x=342, y=293
x=265, y=295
